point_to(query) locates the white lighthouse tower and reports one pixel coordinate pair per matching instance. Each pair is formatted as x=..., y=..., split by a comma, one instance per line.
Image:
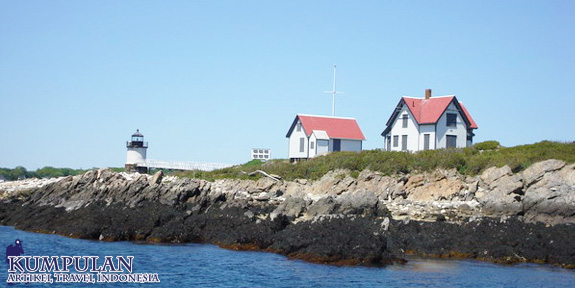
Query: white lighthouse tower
x=136, y=156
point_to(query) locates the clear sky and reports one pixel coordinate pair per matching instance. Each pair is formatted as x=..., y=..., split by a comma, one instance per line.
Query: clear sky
x=208, y=80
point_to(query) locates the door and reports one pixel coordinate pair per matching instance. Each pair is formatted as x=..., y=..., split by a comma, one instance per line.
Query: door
x=425, y=141
x=451, y=141
x=336, y=144
x=403, y=142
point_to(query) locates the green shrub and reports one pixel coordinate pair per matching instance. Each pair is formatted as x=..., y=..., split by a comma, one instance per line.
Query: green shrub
x=487, y=145
x=468, y=161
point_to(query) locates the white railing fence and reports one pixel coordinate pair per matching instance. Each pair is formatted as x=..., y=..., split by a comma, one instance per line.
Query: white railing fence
x=178, y=165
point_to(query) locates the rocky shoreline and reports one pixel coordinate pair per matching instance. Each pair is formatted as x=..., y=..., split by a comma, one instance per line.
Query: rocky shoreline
x=498, y=216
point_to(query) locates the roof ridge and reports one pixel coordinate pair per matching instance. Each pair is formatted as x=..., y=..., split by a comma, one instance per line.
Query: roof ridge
x=323, y=116
x=423, y=98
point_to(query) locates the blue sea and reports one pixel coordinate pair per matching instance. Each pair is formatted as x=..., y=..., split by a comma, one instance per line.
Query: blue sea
x=200, y=265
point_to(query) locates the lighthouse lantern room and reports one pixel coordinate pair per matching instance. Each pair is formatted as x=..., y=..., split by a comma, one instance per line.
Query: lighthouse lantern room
x=136, y=156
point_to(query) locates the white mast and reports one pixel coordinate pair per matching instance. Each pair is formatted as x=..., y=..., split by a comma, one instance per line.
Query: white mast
x=333, y=92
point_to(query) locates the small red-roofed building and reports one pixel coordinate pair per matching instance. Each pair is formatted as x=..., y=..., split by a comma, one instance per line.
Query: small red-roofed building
x=429, y=123
x=311, y=135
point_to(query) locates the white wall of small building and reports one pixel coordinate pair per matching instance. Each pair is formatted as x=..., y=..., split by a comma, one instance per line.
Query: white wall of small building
x=312, y=139
x=294, y=143
x=319, y=146
x=411, y=131
x=459, y=130
x=426, y=129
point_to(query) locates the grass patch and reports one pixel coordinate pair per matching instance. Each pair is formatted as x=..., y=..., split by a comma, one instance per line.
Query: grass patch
x=468, y=161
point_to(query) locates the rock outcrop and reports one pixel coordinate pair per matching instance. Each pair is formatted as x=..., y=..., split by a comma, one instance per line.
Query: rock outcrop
x=372, y=219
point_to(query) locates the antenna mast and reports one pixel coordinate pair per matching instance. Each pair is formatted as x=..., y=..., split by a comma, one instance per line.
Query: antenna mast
x=333, y=92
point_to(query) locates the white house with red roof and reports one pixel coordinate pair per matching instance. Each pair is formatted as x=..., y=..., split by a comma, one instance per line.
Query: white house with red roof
x=311, y=135
x=428, y=123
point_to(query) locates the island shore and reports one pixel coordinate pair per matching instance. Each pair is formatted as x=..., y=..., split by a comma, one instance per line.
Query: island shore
x=372, y=219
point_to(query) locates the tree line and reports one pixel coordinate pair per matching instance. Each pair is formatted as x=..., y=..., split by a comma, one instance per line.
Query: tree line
x=47, y=172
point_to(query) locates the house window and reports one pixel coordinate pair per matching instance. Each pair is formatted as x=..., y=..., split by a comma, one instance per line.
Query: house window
x=395, y=141
x=388, y=144
x=312, y=145
x=404, y=121
x=425, y=141
x=302, y=144
x=298, y=127
x=451, y=141
x=451, y=120
x=403, y=142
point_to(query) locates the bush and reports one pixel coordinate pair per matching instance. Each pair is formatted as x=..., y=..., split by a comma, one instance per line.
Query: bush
x=468, y=161
x=46, y=172
x=487, y=145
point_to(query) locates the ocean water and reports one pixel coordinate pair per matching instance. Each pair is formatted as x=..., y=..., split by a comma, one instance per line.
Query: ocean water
x=198, y=265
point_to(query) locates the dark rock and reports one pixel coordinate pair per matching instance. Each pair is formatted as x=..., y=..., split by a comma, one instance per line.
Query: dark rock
x=350, y=241
x=291, y=207
x=358, y=203
x=511, y=241
x=352, y=226
x=324, y=206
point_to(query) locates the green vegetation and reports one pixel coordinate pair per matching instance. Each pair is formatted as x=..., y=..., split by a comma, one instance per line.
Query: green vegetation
x=46, y=172
x=468, y=161
x=487, y=145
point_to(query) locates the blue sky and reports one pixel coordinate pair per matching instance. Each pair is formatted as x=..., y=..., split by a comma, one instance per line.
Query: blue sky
x=208, y=80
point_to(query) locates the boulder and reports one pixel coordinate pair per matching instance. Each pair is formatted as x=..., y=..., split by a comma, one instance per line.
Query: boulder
x=323, y=206
x=361, y=202
x=494, y=173
x=536, y=171
x=291, y=207
x=332, y=183
x=502, y=196
x=550, y=200
x=443, y=189
x=157, y=178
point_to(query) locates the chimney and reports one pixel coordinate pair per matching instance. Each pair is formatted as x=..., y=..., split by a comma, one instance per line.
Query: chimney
x=427, y=93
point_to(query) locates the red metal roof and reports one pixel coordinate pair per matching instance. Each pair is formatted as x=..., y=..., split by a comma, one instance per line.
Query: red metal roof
x=336, y=127
x=428, y=111
x=472, y=122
